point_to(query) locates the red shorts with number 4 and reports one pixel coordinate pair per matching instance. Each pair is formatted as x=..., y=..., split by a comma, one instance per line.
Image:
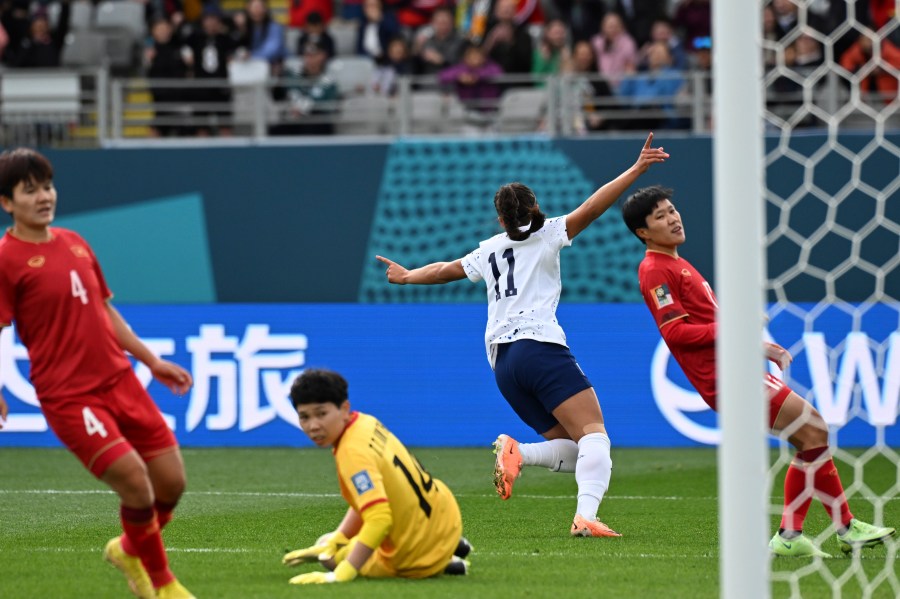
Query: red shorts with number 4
x=104, y=425
x=777, y=392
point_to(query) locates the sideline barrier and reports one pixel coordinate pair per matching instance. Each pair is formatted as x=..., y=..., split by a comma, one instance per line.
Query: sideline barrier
x=422, y=370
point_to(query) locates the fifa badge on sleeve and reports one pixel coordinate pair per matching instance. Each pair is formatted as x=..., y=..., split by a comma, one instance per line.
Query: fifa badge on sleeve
x=662, y=296
x=362, y=482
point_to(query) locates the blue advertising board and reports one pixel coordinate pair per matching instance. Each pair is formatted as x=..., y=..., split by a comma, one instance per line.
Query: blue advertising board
x=422, y=370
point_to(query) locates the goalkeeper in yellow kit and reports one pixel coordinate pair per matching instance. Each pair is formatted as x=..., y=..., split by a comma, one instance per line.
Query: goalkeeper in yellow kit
x=401, y=522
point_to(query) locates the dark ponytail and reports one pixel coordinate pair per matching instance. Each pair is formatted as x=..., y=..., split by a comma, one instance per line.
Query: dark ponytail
x=517, y=206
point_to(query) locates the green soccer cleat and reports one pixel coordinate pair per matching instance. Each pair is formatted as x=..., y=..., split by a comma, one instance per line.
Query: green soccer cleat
x=861, y=534
x=799, y=546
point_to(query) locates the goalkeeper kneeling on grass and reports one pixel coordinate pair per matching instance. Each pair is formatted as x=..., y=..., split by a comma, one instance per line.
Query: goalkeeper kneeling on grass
x=401, y=522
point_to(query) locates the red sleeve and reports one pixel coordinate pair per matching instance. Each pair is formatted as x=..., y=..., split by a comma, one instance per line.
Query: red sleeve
x=7, y=298
x=660, y=292
x=679, y=333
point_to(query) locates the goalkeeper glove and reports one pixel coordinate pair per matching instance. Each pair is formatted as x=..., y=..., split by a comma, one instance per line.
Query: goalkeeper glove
x=345, y=572
x=325, y=548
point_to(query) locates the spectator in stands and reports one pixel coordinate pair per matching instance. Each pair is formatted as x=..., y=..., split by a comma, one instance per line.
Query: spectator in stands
x=615, y=49
x=694, y=19
x=552, y=55
x=211, y=50
x=397, y=63
x=300, y=11
x=583, y=16
x=508, y=43
x=590, y=92
x=413, y=14
x=802, y=57
x=438, y=46
x=314, y=32
x=41, y=46
x=376, y=30
x=4, y=39
x=771, y=33
x=474, y=79
x=879, y=81
x=640, y=15
x=261, y=34
x=663, y=31
x=167, y=58
x=654, y=91
x=312, y=97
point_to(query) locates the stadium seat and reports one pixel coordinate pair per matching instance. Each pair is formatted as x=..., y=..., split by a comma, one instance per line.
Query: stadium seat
x=245, y=76
x=84, y=48
x=353, y=74
x=344, y=34
x=122, y=14
x=80, y=18
x=521, y=110
x=365, y=115
x=40, y=96
x=427, y=112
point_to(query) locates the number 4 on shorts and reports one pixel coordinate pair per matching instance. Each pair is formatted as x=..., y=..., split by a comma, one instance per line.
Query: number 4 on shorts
x=92, y=424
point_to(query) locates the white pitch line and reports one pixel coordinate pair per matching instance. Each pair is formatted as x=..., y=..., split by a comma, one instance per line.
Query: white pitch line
x=474, y=557
x=290, y=494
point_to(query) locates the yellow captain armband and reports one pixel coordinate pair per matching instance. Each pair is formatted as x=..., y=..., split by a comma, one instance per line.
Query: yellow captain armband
x=377, y=523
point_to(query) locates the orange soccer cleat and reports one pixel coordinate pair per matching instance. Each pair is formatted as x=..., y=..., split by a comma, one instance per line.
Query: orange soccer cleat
x=507, y=466
x=582, y=527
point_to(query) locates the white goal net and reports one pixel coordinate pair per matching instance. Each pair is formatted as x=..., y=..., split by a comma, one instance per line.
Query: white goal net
x=832, y=161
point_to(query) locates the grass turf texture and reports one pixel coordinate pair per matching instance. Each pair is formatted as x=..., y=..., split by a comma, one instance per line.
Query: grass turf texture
x=246, y=507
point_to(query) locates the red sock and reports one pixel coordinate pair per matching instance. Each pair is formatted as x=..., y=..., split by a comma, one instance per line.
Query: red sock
x=163, y=516
x=814, y=468
x=797, y=497
x=164, y=512
x=142, y=535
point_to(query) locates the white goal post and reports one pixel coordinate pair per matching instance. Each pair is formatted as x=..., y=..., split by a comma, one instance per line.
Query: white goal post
x=739, y=267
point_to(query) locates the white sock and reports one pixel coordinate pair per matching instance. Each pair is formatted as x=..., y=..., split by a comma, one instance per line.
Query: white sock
x=559, y=455
x=592, y=472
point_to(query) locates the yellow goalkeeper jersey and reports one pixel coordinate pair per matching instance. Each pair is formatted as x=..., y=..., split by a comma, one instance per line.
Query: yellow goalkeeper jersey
x=375, y=467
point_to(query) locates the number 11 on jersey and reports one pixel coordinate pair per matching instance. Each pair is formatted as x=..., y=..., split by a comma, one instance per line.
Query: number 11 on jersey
x=510, y=275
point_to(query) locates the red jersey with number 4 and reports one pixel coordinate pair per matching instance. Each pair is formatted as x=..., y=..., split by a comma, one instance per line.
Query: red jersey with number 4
x=684, y=307
x=56, y=295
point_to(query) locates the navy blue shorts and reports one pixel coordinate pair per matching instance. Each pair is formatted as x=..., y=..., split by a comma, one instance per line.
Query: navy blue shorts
x=535, y=377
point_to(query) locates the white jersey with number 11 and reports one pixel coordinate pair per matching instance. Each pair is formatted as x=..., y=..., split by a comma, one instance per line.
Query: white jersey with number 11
x=523, y=285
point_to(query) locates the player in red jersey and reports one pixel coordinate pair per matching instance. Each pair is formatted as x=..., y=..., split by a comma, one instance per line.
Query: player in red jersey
x=52, y=287
x=684, y=307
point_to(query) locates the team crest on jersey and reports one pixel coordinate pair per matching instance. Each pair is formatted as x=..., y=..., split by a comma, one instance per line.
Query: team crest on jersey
x=36, y=261
x=80, y=251
x=362, y=482
x=662, y=296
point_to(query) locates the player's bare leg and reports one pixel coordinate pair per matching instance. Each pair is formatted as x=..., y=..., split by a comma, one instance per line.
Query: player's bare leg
x=582, y=419
x=167, y=475
x=129, y=477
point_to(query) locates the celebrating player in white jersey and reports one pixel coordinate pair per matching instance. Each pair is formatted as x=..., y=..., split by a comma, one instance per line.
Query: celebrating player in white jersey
x=526, y=347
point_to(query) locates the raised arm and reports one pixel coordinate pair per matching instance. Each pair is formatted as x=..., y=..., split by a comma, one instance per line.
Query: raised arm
x=579, y=219
x=432, y=274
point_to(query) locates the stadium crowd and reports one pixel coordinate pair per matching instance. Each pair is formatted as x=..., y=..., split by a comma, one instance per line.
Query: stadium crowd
x=629, y=54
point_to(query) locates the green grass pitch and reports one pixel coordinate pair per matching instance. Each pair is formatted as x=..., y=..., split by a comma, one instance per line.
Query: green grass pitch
x=245, y=507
